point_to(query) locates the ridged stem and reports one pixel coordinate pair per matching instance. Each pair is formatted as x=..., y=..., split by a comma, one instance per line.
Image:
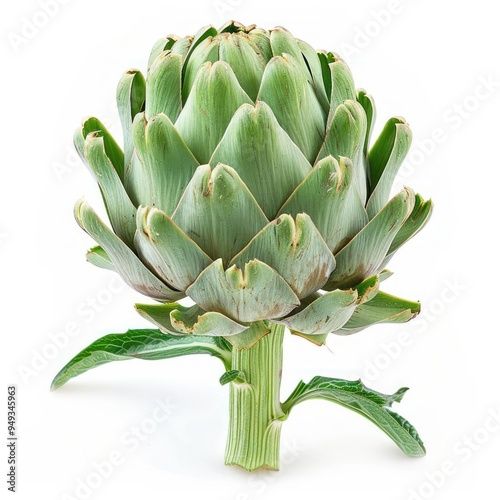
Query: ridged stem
x=255, y=413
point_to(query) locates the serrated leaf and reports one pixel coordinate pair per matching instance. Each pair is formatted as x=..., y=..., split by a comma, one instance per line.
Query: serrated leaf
x=141, y=344
x=373, y=405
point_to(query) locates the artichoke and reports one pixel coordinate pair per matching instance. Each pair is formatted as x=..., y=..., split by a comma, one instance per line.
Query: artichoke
x=246, y=183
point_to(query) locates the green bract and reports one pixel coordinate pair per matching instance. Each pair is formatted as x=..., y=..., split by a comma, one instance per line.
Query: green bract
x=246, y=183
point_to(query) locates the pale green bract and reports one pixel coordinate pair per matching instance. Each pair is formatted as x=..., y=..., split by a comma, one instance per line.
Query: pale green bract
x=246, y=183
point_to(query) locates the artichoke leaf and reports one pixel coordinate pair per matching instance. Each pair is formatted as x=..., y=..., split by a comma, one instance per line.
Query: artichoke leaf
x=214, y=98
x=321, y=314
x=385, y=158
x=200, y=51
x=137, y=180
x=330, y=198
x=163, y=91
x=218, y=212
x=92, y=125
x=120, y=209
x=207, y=51
x=161, y=45
x=176, y=258
x=130, y=98
x=345, y=136
x=177, y=319
x=283, y=42
x=295, y=249
x=383, y=308
x=384, y=274
x=263, y=154
x=99, y=258
x=287, y=91
x=342, y=83
x=248, y=67
x=260, y=38
x=367, y=289
x=125, y=261
x=318, y=340
x=313, y=63
x=167, y=163
x=368, y=104
x=419, y=217
x=325, y=314
x=364, y=254
x=325, y=59
x=248, y=338
x=201, y=35
x=181, y=46
x=253, y=293
x=232, y=26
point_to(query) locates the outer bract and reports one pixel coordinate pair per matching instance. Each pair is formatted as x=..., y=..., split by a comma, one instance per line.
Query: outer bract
x=246, y=183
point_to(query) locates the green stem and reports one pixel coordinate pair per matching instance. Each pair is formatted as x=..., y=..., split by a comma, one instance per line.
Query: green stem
x=255, y=413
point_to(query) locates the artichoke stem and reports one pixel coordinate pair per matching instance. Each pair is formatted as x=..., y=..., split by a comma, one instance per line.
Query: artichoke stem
x=255, y=412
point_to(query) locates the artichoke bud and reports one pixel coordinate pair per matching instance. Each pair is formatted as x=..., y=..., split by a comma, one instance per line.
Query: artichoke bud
x=246, y=182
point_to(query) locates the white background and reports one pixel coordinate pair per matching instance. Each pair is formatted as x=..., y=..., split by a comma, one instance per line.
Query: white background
x=422, y=59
